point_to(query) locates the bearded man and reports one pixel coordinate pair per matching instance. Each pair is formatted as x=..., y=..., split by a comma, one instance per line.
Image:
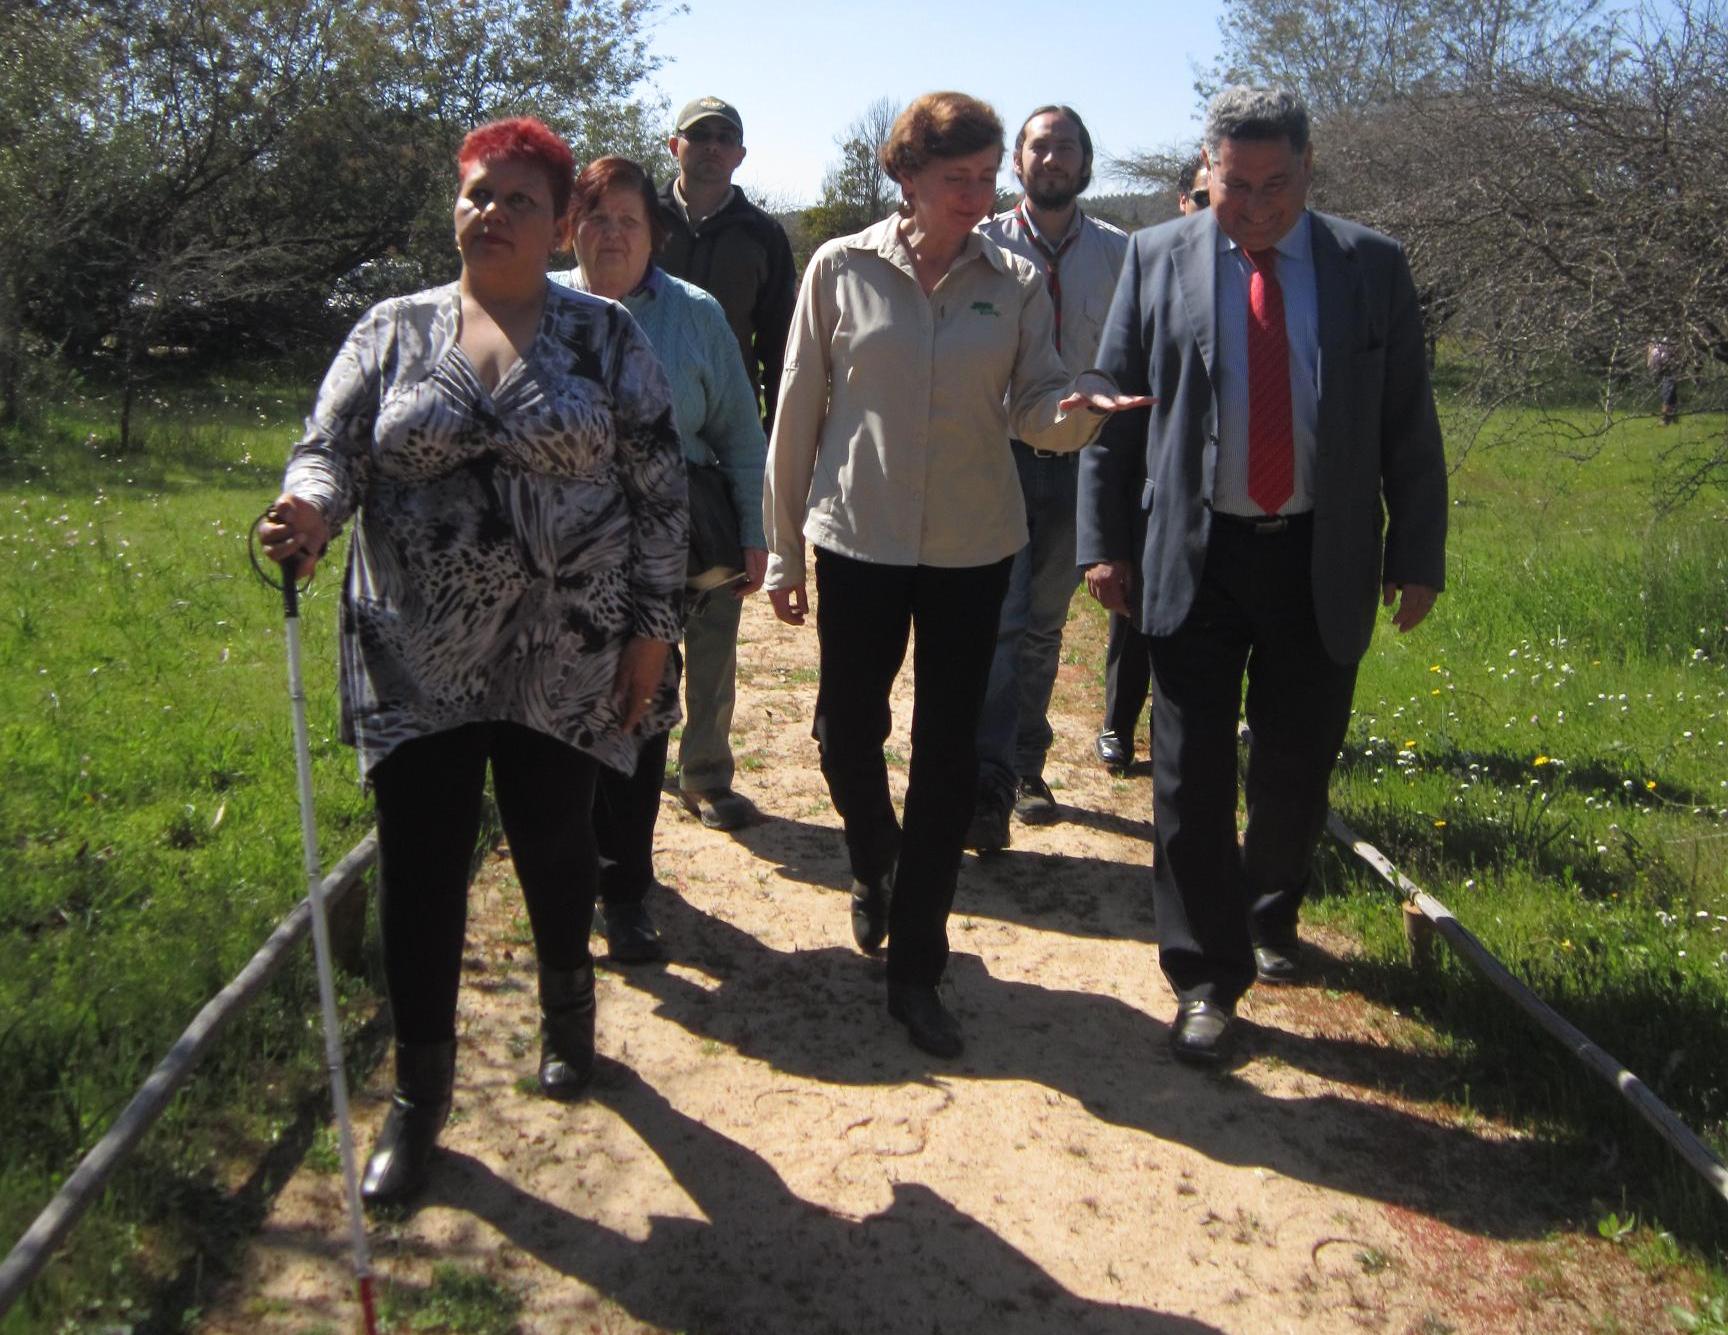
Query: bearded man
x=1080, y=257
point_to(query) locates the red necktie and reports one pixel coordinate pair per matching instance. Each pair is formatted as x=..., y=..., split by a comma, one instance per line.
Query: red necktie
x=1271, y=455
x=1053, y=258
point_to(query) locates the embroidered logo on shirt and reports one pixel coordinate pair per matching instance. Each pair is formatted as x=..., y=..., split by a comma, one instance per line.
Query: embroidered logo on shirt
x=985, y=308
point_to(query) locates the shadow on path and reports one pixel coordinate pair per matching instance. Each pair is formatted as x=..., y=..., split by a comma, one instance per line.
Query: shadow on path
x=762, y=1258
x=818, y=1013
x=1053, y=892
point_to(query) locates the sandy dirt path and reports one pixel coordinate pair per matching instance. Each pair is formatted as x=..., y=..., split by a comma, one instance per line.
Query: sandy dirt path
x=764, y=1150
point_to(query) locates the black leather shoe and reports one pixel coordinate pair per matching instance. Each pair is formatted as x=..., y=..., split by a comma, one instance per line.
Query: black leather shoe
x=870, y=901
x=1116, y=754
x=928, y=1022
x=1034, y=803
x=425, y=1076
x=1279, y=965
x=566, y=1031
x=1201, y=1034
x=988, y=832
x=631, y=937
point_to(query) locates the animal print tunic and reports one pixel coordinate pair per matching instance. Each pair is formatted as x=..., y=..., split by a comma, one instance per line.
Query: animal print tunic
x=507, y=544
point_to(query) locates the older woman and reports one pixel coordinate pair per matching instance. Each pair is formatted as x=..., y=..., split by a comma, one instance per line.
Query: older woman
x=513, y=592
x=618, y=231
x=917, y=349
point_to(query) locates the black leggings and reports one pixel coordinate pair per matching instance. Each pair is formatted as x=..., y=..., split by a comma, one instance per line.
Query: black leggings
x=428, y=793
x=865, y=612
x=626, y=810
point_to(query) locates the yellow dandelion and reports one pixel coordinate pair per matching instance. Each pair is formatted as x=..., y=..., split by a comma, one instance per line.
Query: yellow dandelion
x=1541, y=760
x=1434, y=667
x=1435, y=691
x=1410, y=745
x=1439, y=825
x=1650, y=784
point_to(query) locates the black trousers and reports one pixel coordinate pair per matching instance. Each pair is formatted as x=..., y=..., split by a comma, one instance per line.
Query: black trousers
x=1253, y=619
x=864, y=613
x=428, y=793
x=1127, y=678
x=626, y=810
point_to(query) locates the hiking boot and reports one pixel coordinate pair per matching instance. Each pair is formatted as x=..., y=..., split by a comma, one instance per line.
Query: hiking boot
x=1034, y=803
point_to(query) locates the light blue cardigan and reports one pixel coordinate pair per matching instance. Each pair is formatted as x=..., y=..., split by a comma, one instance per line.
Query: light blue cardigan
x=716, y=412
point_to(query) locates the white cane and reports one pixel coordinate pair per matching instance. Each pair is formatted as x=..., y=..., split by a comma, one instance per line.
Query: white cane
x=321, y=950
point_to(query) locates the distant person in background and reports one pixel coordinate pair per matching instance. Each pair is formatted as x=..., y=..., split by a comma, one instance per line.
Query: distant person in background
x=1127, y=656
x=618, y=230
x=1078, y=258
x=1660, y=359
x=1290, y=477
x=515, y=583
x=919, y=347
x=725, y=245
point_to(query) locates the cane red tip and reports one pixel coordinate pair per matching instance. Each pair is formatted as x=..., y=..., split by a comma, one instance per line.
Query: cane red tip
x=368, y=1313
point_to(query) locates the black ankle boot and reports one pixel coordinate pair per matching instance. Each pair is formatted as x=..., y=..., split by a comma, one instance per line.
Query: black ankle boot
x=566, y=1031
x=425, y=1075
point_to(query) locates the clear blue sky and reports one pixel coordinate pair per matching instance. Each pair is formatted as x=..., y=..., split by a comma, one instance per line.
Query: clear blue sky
x=800, y=70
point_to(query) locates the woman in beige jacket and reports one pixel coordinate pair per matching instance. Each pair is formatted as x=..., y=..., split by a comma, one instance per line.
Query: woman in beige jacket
x=917, y=348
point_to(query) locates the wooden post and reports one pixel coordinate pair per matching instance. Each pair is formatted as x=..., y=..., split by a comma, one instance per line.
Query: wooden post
x=1419, y=937
x=348, y=928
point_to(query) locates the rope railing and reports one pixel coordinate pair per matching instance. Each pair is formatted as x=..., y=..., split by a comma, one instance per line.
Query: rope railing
x=32, y=1251
x=1438, y=918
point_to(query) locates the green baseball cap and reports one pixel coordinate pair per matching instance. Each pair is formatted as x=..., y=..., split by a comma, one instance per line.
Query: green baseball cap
x=703, y=108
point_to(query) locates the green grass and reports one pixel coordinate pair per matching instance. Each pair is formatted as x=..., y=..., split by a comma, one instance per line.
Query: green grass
x=149, y=835
x=1546, y=755
x=456, y=1302
x=1549, y=756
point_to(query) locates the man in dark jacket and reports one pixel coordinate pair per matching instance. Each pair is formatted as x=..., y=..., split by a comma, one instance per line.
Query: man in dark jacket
x=1288, y=478
x=724, y=244
x=720, y=241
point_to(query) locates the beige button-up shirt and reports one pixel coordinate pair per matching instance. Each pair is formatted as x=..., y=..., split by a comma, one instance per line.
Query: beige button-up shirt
x=891, y=440
x=1088, y=269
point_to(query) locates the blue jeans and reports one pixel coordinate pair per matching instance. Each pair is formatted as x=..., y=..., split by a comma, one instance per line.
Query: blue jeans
x=1014, y=730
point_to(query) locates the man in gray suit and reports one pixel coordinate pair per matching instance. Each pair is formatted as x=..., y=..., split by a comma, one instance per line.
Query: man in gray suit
x=1290, y=471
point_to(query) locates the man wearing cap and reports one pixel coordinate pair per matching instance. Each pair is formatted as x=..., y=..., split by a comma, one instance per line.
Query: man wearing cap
x=1127, y=656
x=724, y=244
x=1078, y=257
x=1288, y=478
x=720, y=241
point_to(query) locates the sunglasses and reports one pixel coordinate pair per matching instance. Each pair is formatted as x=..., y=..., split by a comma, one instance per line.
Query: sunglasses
x=725, y=138
x=1201, y=198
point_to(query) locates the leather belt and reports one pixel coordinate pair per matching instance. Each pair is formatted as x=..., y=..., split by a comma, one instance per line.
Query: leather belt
x=1265, y=525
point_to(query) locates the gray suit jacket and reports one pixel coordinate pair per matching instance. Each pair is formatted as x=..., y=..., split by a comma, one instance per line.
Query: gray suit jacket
x=1380, y=474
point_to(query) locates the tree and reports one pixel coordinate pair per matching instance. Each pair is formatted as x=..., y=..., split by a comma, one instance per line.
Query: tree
x=1349, y=55
x=856, y=191
x=1557, y=175
x=201, y=173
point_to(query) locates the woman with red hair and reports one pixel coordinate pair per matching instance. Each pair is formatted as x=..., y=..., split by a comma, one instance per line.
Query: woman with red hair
x=506, y=449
